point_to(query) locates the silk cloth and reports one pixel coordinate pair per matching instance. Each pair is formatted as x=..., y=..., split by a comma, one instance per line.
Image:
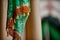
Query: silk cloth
x=17, y=15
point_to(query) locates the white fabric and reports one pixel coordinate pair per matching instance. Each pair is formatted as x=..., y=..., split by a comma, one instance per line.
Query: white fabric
x=10, y=37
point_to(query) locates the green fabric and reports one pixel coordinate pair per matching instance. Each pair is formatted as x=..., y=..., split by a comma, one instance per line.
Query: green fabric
x=54, y=33
x=10, y=9
x=45, y=27
x=17, y=15
x=20, y=23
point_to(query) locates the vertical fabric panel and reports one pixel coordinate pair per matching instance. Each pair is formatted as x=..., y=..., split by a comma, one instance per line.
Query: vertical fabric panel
x=54, y=28
x=50, y=15
x=17, y=15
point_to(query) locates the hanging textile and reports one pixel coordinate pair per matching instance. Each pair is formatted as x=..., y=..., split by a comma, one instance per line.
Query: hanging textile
x=51, y=25
x=50, y=15
x=17, y=15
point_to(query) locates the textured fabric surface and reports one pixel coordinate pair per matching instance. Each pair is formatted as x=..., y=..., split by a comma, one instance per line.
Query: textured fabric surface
x=17, y=15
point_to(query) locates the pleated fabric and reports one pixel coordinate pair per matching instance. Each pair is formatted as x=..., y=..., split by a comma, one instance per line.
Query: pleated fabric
x=17, y=15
